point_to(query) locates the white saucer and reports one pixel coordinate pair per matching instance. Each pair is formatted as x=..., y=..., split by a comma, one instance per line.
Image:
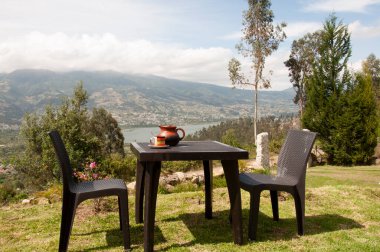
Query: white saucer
x=158, y=146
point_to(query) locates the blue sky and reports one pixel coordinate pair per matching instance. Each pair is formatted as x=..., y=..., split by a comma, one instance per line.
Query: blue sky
x=188, y=40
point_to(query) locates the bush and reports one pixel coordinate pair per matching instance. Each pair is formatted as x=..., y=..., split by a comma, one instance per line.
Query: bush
x=7, y=192
x=181, y=166
x=121, y=167
x=92, y=136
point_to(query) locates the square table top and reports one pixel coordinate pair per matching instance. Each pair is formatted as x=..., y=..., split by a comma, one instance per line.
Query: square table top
x=189, y=150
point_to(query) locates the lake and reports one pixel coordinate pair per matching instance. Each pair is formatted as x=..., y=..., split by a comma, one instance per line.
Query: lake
x=144, y=134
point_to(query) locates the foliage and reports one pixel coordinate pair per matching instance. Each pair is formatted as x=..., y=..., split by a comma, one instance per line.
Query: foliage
x=353, y=137
x=229, y=138
x=118, y=166
x=371, y=66
x=339, y=107
x=239, y=132
x=7, y=192
x=86, y=137
x=11, y=191
x=260, y=39
x=88, y=172
x=182, y=166
x=300, y=64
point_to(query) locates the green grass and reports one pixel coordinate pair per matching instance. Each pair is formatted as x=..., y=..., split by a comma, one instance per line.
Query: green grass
x=342, y=214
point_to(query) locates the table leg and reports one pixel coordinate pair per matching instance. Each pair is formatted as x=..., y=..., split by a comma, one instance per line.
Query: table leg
x=207, y=168
x=139, y=193
x=152, y=177
x=231, y=173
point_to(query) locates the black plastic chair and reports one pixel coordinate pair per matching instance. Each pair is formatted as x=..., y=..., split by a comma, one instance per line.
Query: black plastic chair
x=291, y=174
x=74, y=193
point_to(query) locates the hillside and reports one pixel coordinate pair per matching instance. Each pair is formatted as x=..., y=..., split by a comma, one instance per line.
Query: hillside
x=135, y=100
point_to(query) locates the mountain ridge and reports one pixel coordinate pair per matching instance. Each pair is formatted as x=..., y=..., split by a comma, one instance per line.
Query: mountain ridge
x=135, y=99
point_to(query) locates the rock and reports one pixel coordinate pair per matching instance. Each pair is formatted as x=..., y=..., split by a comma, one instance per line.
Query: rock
x=201, y=179
x=262, y=157
x=42, y=201
x=169, y=187
x=172, y=179
x=195, y=179
x=131, y=186
x=162, y=181
x=218, y=172
x=25, y=201
x=181, y=176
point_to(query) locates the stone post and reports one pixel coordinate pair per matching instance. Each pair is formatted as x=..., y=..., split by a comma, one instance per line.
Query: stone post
x=262, y=150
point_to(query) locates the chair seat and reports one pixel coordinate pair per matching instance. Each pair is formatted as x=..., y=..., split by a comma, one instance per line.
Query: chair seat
x=249, y=180
x=99, y=185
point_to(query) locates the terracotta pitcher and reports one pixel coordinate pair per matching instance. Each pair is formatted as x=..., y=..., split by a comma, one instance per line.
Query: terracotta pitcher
x=170, y=132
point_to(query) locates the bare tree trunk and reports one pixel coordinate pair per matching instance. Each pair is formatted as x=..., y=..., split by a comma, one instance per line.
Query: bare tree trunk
x=255, y=116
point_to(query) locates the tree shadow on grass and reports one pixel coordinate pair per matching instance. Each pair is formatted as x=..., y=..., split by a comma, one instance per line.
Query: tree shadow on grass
x=219, y=230
x=114, y=238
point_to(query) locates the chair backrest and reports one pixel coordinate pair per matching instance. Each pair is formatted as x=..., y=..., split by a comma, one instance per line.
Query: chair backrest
x=63, y=158
x=294, y=154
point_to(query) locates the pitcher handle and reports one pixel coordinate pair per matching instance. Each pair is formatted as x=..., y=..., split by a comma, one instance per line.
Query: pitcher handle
x=183, y=133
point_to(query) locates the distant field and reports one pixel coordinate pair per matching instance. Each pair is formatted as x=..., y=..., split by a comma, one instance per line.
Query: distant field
x=342, y=214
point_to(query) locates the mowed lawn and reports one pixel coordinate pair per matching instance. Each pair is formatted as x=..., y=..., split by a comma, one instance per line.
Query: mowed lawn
x=342, y=214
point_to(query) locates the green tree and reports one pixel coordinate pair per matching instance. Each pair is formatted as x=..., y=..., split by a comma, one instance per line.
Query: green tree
x=353, y=137
x=300, y=64
x=260, y=39
x=87, y=137
x=107, y=131
x=372, y=66
x=339, y=106
x=229, y=138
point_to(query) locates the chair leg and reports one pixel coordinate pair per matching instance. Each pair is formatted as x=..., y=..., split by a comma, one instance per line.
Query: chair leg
x=120, y=218
x=69, y=204
x=124, y=220
x=253, y=215
x=299, y=201
x=274, y=199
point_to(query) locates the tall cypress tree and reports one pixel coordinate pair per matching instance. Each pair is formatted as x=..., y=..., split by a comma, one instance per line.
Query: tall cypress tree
x=340, y=107
x=329, y=79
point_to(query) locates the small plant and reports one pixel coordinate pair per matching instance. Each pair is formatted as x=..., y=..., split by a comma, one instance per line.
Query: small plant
x=89, y=172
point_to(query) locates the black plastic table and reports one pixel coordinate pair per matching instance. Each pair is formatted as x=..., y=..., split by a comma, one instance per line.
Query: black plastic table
x=148, y=174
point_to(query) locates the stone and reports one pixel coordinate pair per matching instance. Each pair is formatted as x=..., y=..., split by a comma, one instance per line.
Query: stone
x=43, y=201
x=169, y=187
x=131, y=186
x=262, y=150
x=172, y=179
x=25, y=201
x=181, y=176
x=201, y=179
x=162, y=181
x=195, y=179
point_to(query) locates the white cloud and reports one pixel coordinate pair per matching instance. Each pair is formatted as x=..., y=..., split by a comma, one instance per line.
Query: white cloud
x=61, y=52
x=298, y=29
x=340, y=5
x=361, y=31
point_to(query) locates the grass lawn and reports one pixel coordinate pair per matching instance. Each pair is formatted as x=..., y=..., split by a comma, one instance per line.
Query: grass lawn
x=342, y=214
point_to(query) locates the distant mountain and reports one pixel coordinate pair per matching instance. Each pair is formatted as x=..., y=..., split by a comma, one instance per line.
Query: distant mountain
x=135, y=100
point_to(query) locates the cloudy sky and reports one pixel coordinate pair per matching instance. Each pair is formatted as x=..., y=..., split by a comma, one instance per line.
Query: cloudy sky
x=188, y=40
